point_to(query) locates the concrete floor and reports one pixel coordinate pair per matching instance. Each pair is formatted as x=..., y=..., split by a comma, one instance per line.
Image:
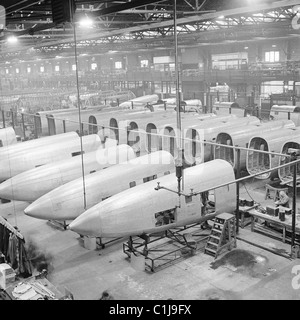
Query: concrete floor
x=247, y=272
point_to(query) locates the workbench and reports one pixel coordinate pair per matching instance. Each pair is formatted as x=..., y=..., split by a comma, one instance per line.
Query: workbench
x=284, y=226
x=243, y=211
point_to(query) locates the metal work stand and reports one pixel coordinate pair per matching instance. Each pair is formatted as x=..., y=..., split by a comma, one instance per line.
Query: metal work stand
x=101, y=243
x=161, y=250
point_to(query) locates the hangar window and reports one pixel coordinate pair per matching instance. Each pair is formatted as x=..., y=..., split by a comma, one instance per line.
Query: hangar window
x=94, y=66
x=232, y=60
x=144, y=63
x=272, y=56
x=132, y=184
x=118, y=65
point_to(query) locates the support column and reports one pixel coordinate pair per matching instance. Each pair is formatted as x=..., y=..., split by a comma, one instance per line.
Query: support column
x=3, y=118
x=238, y=157
x=294, y=93
x=12, y=118
x=23, y=126
x=35, y=126
x=294, y=202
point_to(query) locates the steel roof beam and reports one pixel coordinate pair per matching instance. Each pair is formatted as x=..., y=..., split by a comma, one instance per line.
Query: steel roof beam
x=187, y=20
x=18, y=5
x=197, y=19
x=124, y=6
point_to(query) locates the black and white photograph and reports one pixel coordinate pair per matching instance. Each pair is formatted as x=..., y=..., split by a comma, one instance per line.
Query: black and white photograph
x=149, y=153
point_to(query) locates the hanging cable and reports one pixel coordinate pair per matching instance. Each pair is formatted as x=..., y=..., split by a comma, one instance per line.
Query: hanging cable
x=79, y=114
x=179, y=165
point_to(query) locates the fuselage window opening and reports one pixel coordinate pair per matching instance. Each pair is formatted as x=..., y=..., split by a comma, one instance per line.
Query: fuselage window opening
x=211, y=202
x=150, y=178
x=166, y=173
x=105, y=198
x=164, y=218
x=204, y=198
x=132, y=184
x=1, y=143
x=93, y=171
x=74, y=154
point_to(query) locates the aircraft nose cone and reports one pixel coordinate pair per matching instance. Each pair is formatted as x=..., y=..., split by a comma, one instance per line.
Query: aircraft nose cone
x=41, y=209
x=87, y=224
x=6, y=190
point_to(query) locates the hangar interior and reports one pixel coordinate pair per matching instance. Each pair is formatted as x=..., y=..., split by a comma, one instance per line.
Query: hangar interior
x=149, y=150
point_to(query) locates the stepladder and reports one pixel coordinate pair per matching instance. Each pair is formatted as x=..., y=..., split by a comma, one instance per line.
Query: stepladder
x=222, y=236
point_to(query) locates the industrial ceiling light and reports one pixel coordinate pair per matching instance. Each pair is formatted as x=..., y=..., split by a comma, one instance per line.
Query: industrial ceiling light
x=12, y=39
x=86, y=22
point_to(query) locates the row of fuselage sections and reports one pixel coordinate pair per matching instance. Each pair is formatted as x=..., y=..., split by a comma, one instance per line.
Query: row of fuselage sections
x=126, y=159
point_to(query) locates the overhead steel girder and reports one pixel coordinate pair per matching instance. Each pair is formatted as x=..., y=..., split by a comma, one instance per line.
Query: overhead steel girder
x=166, y=28
x=212, y=31
x=124, y=6
x=187, y=20
x=277, y=16
x=214, y=37
x=17, y=5
x=118, y=42
x=102, y=12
